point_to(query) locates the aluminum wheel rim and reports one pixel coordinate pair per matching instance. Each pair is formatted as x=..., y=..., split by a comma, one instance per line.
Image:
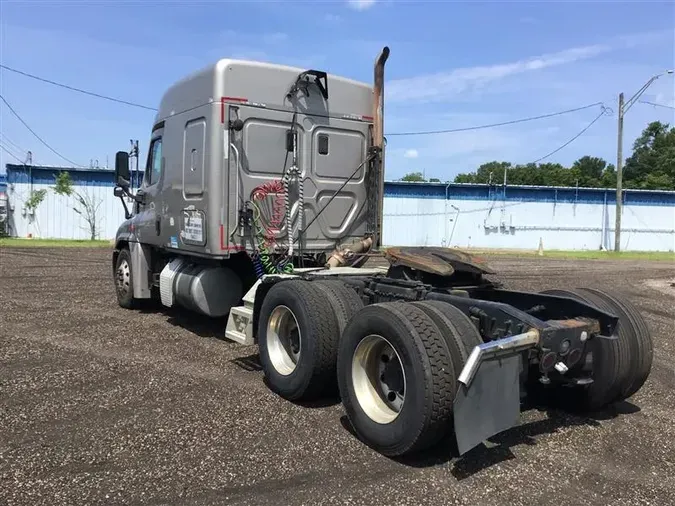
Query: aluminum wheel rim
x=123, y=277
x=379, y=379
x=283, y=340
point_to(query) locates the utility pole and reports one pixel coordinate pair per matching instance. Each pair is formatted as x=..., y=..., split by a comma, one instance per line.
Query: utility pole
x=619, y=178
x=623, y=109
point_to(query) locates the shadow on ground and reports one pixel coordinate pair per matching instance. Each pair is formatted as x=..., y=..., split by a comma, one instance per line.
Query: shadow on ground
x=202, y=326
x=497, y=449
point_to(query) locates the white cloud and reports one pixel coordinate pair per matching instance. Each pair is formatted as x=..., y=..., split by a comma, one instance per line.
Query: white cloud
x=360, y=5
x=475, y=81
x=411, y=153
x=446, y=84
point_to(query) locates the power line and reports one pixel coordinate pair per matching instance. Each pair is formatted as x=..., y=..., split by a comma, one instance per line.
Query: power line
x=657, y=105
x=36, y=135
x=11, y=154
x=14, y=144
x=79, y=90
x=603, y=112
x=429, y=132
x=7, y=147
x=492, y=125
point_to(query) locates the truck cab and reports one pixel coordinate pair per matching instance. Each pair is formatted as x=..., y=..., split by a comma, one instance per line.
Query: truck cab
x=253, y=167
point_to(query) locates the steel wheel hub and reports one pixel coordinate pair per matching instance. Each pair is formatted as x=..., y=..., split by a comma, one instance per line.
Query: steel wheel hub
x=379, y=379
x=123, y=277
x=283, y=340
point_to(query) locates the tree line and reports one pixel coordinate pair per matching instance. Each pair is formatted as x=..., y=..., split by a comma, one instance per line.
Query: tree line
x=651, y=166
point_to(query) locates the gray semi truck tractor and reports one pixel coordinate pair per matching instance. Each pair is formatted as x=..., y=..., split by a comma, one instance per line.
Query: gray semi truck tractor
x=261, y=200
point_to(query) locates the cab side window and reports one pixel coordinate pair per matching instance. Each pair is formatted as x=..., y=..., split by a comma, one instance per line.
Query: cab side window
x=153, y=171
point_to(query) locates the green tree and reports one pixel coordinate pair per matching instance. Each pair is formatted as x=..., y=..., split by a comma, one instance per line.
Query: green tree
x=86, y=205
x=413, y=176
x=488, y=172
x=588, y=170
x=35, y=199
x=652, y=164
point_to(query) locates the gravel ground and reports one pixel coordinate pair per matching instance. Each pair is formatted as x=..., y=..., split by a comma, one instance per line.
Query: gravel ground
x=104, y=406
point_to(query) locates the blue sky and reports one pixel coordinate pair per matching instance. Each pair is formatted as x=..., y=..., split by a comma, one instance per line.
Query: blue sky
x=452, y=65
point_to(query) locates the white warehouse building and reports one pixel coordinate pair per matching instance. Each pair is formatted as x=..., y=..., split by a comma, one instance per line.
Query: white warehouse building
x=519, y=217
x=415, y=214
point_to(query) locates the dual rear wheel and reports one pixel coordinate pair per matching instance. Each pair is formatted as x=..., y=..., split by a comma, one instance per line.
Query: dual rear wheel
x=394, y=364
x=620, y=366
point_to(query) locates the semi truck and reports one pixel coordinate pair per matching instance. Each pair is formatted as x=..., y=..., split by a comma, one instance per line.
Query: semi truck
x=261, y=202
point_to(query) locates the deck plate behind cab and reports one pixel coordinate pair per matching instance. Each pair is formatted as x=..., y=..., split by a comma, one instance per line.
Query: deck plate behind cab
x=435, y=260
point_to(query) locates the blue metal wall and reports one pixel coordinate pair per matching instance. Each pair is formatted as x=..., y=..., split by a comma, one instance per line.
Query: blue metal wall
x=519, y=217
x=481, y=216
x=56, y=216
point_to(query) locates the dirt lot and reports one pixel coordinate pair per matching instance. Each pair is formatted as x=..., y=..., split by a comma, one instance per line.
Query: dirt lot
x=104, y=406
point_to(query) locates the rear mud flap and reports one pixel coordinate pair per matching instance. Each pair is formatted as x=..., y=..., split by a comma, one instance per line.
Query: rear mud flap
x=490, y=405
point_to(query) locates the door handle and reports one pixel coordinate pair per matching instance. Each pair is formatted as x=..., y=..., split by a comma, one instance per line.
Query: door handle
x=158, y=225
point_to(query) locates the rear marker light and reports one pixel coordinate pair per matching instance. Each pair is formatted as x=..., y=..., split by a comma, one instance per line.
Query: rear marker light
x=548, y=361
x=573, y=357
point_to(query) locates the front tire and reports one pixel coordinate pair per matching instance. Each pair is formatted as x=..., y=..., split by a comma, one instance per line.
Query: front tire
x=124, y=280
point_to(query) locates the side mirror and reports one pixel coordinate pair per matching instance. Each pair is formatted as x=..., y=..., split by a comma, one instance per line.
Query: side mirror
x=118, y=192
x=122, y=173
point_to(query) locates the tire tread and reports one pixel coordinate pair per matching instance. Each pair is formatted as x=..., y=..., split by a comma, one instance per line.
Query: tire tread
x=442, y=389
x=323, y=329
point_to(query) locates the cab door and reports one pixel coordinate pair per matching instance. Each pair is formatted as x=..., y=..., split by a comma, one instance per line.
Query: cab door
x=149, y=220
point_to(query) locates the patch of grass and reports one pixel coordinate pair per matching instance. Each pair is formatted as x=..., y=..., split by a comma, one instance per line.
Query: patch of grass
x=579, y=254
x=13, y=242
x=584, y=254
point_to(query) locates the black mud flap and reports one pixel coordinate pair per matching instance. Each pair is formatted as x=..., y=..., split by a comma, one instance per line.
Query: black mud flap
x=490, y=405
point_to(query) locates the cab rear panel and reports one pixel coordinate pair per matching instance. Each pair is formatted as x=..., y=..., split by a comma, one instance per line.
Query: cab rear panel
x=227, y=130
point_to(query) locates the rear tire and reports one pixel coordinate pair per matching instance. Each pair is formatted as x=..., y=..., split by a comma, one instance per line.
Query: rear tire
x=403, y=404
x=611, y=364
x=343, y=299
x=634, y=337
x=297, y=338
x=464, y=327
